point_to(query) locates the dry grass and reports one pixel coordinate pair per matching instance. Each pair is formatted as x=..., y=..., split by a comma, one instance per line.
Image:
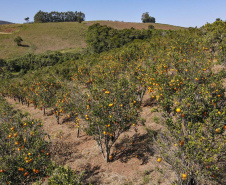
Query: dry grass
x=5, y=33
x=65, y=37
x=10, y=28
x=218, y=68
x=128, y=25
x=38, y=38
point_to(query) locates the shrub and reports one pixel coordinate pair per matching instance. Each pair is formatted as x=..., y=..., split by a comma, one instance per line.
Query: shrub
x=151, y=27
x=18, y=40
x=65, y=175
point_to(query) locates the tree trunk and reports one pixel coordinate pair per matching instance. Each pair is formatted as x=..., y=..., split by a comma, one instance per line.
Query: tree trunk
x=107, y=154
x=107, y=148
x=78, y=133
x=44, y=110
x=57, y=119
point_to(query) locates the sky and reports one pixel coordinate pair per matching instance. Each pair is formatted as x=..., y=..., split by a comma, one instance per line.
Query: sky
x=185, y=13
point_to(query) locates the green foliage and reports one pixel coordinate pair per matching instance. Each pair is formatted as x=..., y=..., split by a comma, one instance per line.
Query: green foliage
x=105, y=91
x=3, y=66
x=218, y=19
x=41, y=17
x=215, y=33
x=151, y=27
x=33, y=62
x=26, y=19
x=193, y=101
x=156, y=119
x=18, y=40
x=154, y=109
x=24, y=153
x=146, y=18
x=65, y=175
x=111, y=109
x=103, y=38
x=146, y=177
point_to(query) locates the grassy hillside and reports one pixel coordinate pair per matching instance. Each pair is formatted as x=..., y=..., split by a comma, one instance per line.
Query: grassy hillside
x=38, y=38
x=69, y=36
x=123, y=25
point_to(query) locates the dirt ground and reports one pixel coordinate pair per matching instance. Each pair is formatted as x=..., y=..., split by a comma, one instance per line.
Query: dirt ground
x=134, y=161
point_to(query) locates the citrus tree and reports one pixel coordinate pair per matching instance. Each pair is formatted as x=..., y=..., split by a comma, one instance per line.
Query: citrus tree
x=111, y=109
x=192, y=97
x=24, y=155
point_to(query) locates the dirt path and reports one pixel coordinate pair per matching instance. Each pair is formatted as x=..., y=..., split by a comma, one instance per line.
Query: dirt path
x=133, y=159
x=5, y=33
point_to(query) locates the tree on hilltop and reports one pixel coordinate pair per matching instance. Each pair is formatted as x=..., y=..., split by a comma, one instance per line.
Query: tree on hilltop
x=146, y=18
x=218, y=19
x=80, y=16
x=27, y=19
x=41, y=17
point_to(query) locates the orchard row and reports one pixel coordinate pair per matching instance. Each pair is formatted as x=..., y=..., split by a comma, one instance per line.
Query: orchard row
x=103, y=94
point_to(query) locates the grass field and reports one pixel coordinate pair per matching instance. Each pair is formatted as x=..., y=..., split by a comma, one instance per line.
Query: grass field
x=38, y=38
x=66, y=37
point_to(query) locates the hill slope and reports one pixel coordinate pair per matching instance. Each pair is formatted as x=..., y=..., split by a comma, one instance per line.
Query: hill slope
x=5, y=22
x=68, y=36
x=38, y=38
x=128, y=25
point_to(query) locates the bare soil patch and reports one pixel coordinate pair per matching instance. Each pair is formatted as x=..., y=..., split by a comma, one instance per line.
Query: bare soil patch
x=9, y=28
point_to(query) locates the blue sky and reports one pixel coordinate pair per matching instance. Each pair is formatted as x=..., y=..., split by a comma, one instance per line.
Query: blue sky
x=184, y=13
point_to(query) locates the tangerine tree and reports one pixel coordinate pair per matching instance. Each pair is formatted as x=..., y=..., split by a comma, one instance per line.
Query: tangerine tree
x=111, y=109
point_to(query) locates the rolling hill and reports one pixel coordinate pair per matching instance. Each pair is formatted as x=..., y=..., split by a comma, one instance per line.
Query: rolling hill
x=65, y=37
x=5, y=22
x=128, y=25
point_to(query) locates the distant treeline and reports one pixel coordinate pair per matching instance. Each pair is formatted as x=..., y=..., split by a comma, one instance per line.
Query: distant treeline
x=41, y=17
x=103, y=38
